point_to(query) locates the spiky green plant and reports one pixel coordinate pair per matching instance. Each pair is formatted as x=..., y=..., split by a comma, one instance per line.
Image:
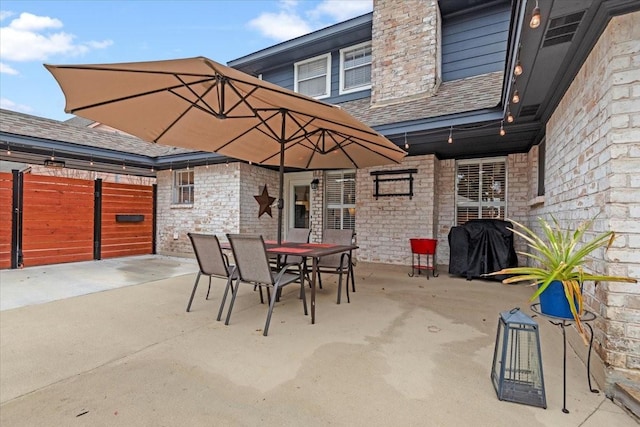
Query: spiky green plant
x=560, y=255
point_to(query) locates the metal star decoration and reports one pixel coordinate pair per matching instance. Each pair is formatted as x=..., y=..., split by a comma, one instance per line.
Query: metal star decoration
x=265, y=202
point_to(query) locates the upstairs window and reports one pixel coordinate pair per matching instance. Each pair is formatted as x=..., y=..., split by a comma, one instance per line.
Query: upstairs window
x=355, y=68
x=481, y=187
x=341, y=200
x=183, y=187
x=313, y=76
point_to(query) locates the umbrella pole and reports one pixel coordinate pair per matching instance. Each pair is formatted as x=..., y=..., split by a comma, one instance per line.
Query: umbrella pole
x=281, y=186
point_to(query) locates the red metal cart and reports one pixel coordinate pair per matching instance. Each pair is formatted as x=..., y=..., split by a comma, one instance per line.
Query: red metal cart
x=426, y=247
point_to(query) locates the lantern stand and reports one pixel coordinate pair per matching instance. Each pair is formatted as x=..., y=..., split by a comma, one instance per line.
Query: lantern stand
x=587, y=317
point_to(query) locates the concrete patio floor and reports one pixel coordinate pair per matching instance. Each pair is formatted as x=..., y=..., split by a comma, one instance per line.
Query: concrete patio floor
x=406, y=351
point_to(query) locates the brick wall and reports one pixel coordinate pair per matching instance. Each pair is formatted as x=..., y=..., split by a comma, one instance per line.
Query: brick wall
x=384, y=226
x=223, y=203
x=405, y=50
x=593, y=167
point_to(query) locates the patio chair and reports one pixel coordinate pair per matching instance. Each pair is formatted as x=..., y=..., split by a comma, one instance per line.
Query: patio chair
x=213, y=263
x=253, y=267
x=298, y=235
x=338, y=263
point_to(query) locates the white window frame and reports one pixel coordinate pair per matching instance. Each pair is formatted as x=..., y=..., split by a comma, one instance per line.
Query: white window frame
x=342, y=70
x=501, y=205
x=327, y=75
x=178, y=186
x=342, y=206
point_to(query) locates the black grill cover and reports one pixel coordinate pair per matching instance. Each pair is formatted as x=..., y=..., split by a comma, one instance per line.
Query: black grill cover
x=481, y=246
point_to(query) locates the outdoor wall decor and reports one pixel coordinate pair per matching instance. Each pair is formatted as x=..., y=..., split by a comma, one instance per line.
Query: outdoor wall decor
x=265, y=201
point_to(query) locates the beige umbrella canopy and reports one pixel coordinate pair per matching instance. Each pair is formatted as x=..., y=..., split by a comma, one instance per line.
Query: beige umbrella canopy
x=200, y=104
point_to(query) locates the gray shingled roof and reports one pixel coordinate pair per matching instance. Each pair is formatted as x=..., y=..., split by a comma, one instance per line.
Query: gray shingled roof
x=26, y=125
x=457, y=96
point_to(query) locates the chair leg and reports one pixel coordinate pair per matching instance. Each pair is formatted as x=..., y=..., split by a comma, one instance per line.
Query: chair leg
x=302, y=293
x=340, y=284
x=274, y=297
x=224, y=297
x=353, y=279
x=193, y=292
x=208, y=289
x=233, y=299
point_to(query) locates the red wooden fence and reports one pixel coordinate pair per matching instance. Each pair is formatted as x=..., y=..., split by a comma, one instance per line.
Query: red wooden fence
x=57, y=220
x=6, y=194
x=126, y=238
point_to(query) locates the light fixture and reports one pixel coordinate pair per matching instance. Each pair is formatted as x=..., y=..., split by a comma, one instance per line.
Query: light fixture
x=124, y=167
x=518, y=69
x=171, y=167
x=314, y=183
x=91, y=161
x=406, y=144
x=8, y=149
x=535, y=17
x=153, y=169
x=510, y=118
x=206, y=166
x=516, y=97
x=187, y=164
x=352, y=211
x=502, y=131
x=450, y=140
x=53, y=154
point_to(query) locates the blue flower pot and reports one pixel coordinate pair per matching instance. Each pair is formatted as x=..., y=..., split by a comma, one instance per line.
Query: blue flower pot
x=553, y=302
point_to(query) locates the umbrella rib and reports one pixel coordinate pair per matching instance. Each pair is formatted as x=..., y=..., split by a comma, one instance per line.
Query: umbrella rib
x=137, y=95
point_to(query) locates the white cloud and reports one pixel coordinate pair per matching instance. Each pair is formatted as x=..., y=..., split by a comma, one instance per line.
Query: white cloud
x=7, y=69
x=27, y=38
x=280, y=26
x=4, y=14
x=341, y=10
x=7, y=104
x=288, y=22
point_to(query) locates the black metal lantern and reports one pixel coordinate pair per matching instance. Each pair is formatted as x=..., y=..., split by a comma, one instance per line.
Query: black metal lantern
x=517, y=361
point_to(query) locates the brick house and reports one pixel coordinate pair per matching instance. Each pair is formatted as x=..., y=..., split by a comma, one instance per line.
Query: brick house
x=424, y=73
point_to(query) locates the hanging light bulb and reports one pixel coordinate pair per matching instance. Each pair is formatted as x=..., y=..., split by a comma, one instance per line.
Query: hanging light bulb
x=450, y=140
x=152, y=169
x=516, y=97
x=187, y=164
x=91, y=161
x=171, y=167
x=502, y=131
x=8, y=149
x=206, y=164
x=406, y=144
x=53, y=154
x=518, y=69
x=535, y=17
x=510, y=118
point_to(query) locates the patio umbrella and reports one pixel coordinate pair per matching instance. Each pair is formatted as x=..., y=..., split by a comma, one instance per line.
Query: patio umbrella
x=200, y=104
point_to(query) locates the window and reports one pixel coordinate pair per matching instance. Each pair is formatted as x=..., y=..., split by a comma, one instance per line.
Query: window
x=183, y=187
x=355, y=68
x=313, y=76
x=341, y=200
x=480, y=189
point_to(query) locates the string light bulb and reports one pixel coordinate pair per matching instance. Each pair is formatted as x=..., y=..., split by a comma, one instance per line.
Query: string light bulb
x=502, y=131
x=535, y=17
x=510, y=118
x=406, y=144
x=91, y=161
x=450, y=140
x=516, y=97
x=518, y=69
x=53, y=154
x=8, y=149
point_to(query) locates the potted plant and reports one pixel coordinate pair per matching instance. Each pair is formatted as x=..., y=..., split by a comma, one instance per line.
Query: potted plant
x=559, y=272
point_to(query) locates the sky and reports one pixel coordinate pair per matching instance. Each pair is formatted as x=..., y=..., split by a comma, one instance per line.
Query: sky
x=34, y=33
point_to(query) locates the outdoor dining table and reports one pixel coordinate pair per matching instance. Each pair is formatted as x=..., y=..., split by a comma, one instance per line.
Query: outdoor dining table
x=307, y=250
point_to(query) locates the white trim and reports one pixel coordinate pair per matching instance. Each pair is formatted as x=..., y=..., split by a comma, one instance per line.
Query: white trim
x=327, y=56
x=290, y=181
x=342, y=90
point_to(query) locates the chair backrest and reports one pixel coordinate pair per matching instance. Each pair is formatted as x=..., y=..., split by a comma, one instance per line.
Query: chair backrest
x=298, y=235
x=250, y=256
x=336, y=237
x=209, y=254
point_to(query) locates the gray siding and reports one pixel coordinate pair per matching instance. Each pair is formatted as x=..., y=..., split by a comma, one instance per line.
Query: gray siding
x=475, y=44
x=472, y=44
